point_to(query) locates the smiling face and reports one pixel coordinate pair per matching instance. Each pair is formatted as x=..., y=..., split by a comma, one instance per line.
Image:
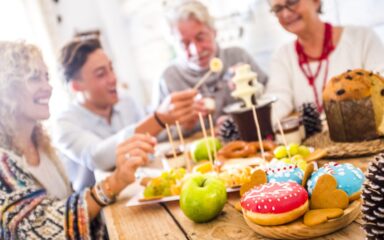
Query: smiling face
x=298, y=15
x=34, y=95
x=197, y=41
x=97, y=80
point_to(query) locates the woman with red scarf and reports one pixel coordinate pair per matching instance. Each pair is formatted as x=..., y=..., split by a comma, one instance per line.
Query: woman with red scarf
x=300, y=69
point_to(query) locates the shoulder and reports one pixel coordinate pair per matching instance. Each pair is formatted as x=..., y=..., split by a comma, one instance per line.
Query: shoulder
x=234, y=53
x=172, y=69
x=357, y=33
x=12, y=171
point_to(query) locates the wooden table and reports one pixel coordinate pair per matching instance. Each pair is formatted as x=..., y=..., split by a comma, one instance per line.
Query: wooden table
x=167, y=221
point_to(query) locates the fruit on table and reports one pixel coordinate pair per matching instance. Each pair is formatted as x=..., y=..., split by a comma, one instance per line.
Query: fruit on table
x=202, y=197
x=199, y=148
x=203, y=167
x=293, y=149
x=165, y=185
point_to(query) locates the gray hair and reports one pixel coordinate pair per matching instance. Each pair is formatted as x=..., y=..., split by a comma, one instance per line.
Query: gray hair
x=186, y=9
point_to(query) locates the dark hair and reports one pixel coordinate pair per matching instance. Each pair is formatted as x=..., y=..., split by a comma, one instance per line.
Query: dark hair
x=74, y=54
x=320, y=9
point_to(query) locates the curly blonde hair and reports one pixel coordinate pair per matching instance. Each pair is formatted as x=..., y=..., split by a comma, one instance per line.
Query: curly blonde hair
x=19, y=61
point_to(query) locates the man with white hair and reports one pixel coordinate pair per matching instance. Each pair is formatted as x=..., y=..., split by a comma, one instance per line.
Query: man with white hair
x=194, y=29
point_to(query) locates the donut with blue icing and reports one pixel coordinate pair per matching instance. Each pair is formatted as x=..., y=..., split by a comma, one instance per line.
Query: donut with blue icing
x=349, y=178
x=284, y=172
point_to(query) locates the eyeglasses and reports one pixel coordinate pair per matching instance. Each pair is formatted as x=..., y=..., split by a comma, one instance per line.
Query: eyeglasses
x=289, y=4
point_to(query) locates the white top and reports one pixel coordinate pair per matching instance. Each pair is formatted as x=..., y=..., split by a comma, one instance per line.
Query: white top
x=48, y=175
x=359, y=47
x=86, y=141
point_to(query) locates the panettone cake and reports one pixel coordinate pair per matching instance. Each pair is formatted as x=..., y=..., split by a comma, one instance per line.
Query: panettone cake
x=354, y=106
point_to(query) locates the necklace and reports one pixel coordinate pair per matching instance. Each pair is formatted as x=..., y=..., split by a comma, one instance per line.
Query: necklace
x=324, y=57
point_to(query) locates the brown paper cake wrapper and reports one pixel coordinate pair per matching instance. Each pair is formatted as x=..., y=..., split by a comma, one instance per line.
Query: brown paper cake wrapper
x=351, y=121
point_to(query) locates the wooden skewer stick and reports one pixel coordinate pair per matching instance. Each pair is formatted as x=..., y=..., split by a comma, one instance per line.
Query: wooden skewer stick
x=205, y=137
x=202, y=80
x=186, y=158
x=283, y=136
x=171, y=141
x=213, y=136
x=258, y=132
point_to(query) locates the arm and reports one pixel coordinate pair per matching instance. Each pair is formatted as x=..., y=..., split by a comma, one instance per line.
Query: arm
x=373, y=52
x=27, y=212
x=86, y=148
x=279, y=85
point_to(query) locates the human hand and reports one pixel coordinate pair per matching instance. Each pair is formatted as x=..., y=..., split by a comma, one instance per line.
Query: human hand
x=178, y=106
x=130, y=155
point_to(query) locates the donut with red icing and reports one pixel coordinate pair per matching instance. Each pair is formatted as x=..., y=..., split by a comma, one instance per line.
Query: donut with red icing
x=275, y=203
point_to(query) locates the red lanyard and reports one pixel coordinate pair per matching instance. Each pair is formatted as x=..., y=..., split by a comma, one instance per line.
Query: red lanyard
x=304, y=63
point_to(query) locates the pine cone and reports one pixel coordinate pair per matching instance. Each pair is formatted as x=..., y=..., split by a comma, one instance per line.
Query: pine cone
x=373, y=195
x=228, y=130
x=311, y=119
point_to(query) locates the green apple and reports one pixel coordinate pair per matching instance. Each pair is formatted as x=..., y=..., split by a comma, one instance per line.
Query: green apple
x=203, y=197
x=199, y=148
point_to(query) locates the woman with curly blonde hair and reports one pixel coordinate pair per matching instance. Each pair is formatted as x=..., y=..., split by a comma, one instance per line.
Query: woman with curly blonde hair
x=36, y=200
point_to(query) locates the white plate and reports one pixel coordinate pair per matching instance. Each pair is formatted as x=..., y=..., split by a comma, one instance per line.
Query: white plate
x=135, y=200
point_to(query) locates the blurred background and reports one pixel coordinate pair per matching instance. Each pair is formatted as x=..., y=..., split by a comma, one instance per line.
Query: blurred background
x=136, y=36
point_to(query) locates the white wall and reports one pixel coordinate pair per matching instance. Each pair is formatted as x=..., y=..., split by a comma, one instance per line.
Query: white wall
x=135, y=36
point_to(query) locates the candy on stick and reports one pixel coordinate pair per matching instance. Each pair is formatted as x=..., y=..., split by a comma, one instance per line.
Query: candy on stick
x=215, y=66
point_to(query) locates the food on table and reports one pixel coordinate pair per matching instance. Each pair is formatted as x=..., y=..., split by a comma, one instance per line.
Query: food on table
x=326, y=195
x=373, y=195
x=203, y=167
x=258, y=177
x=284, y=172
x=167, y=184
x=178, y=161
x=319, y=216
x=292, y=150
x=349, y=178
x=353, y=104
x=275, y=203
x=235, y=177
x=199, y=148
x=202, y=197
x=242, y=149
x=246, y=84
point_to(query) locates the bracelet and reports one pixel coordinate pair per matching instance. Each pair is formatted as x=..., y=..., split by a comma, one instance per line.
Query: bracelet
x=108, y=188
x=158, y=120
x=102, y=196
x=95, y=198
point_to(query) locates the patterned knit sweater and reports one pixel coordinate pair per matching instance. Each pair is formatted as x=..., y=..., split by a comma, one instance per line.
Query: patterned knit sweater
x=26, y=212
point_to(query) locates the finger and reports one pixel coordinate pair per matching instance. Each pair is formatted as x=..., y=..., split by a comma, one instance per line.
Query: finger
x=141, y=137
x=183, y=95
x=127, y=148
x=138, y=153
x=182, y=104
